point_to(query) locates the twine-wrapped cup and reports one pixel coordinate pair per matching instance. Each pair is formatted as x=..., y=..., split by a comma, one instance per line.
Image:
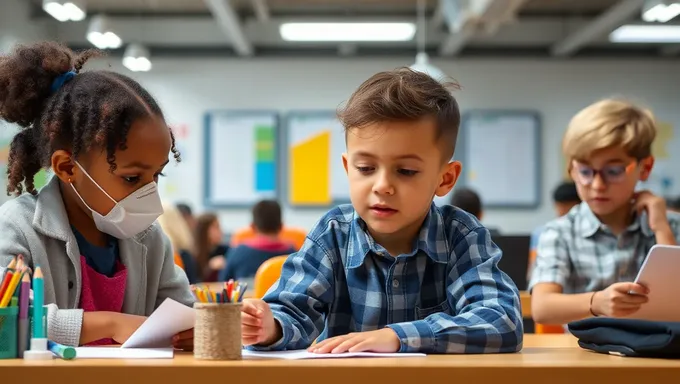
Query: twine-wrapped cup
x=217, y=332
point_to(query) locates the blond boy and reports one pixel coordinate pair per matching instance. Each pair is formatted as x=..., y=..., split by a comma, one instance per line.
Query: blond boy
x=393, y=272
x=587, y=260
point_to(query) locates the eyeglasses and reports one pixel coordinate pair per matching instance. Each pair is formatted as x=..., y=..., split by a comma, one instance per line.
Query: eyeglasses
x=610, y=174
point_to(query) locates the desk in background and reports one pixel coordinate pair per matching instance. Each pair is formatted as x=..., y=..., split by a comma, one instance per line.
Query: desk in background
x=554, y=359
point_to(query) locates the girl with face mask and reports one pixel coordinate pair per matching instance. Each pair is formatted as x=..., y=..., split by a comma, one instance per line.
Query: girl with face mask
x=91, y=229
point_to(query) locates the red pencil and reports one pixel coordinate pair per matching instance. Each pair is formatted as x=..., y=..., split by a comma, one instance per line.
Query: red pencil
x=8, y=276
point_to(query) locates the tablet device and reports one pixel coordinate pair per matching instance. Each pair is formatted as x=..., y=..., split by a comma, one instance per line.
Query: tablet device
x=660, y=273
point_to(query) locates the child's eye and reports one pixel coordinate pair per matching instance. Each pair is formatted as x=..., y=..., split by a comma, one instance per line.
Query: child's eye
x=407, y=172
x=131, y=179
x=161, y=174
x=615, y=171
x=364, y=169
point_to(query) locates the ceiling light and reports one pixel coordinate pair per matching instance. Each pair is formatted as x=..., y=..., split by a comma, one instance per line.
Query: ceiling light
x=65, y=10
x=422, y=63
x=100, y=34
x=347, y=31
x=137, y=58
x=660, y=10
x=646, y=34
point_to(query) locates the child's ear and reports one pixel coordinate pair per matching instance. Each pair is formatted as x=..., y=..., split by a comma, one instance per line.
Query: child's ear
x=62, y=165
x=646, y=166
x=449, y=176
x=344, y=162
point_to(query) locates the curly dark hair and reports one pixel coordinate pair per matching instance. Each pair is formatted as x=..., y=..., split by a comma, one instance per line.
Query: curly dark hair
x=94, y=109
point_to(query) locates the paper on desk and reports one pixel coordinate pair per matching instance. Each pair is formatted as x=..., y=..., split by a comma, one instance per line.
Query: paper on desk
x=303, y=354
x=166, y=321
x=123, y=353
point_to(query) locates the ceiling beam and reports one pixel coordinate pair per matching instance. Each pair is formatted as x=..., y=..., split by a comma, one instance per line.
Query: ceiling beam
x=612, y=18
x=261, y=10
x=464, y=23
x=230, y=24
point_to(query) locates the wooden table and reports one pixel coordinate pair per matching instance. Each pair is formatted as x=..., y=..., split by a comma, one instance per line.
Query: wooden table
x=551, y=359
x=525, y=300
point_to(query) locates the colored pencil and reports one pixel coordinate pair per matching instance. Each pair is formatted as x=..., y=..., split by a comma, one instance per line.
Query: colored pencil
x=38, y=302
x=24, y=293
x=9, y=293
x=9, y=273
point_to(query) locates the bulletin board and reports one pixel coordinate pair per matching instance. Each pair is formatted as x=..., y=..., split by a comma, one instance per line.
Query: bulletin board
x=502, y=157
x=240, y=155
x=314, y=144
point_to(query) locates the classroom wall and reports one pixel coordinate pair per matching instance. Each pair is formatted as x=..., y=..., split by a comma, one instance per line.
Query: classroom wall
x=16, y=27
x=556, y=88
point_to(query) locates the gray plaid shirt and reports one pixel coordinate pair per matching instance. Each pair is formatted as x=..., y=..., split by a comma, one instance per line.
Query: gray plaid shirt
x=581, y=254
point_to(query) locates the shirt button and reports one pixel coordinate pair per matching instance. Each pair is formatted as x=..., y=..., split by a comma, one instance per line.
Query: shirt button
x=395, y=283
x=70, y=285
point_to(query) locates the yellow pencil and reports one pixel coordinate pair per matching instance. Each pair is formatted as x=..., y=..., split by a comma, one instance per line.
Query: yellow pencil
x=12, y=286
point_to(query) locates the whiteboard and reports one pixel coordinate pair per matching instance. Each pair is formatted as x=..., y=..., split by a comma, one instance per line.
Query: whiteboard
x=240, y=151
x=502, y=157
x=314, y=144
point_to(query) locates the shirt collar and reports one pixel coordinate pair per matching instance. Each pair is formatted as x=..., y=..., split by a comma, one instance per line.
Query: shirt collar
x=431, y=240
x=589, y=224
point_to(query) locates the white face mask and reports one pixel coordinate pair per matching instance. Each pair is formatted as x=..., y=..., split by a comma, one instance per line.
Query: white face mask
x=129, y=216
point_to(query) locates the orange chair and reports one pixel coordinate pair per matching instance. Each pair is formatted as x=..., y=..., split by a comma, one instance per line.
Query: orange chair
x=267, y=274
x=294, y=236
x=178, y=260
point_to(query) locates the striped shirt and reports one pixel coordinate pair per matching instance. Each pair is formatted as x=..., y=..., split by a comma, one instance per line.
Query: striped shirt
x=446, y=296
x=581, y=254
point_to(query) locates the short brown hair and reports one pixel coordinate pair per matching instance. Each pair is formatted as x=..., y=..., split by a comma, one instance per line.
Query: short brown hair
x=267, y=217
x=405, y=94
x=608, y=123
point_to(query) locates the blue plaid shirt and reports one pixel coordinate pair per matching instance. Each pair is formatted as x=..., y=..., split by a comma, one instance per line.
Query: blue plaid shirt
x=446, y=296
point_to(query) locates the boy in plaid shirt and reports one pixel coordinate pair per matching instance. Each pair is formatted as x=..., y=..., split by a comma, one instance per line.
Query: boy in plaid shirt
x=393, y=272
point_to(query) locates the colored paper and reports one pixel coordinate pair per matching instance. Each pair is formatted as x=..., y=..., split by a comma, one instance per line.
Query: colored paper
x=169, y=319
x=310, y=171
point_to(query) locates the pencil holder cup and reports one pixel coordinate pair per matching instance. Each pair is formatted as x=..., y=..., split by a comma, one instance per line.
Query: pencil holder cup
x=8, y=332
x=217, y=331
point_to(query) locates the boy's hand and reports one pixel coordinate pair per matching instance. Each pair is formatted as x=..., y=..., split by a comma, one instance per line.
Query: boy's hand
x=124, y=325
x=184, y=340
x=616, y=301
x=257, y=323
x=656, y=210
x=382, y=341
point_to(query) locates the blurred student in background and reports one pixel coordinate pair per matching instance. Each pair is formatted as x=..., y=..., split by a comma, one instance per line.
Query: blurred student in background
x=245, y=259
x=182, y=240
x=470, y=202
x=587, y=260
x=565, y=197
x=188, y=215
x=210, y=248
x=674, y=204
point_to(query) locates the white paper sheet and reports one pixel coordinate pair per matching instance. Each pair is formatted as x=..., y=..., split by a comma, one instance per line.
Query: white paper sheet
x=303, y=354
x=166, y=321
x=123, y=353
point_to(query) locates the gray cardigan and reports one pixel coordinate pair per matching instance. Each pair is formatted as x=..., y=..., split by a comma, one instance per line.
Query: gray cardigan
x=38, y=228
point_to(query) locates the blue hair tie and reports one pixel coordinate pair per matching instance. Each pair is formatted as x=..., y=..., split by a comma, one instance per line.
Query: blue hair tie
x=61, y=80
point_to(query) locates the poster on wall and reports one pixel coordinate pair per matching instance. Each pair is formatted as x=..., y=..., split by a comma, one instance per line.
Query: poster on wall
x=240, y=149
x=315, y=142
x=665, y=177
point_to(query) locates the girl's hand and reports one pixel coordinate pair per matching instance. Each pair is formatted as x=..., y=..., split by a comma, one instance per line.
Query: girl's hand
x=125, y=325
x=184, y=340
